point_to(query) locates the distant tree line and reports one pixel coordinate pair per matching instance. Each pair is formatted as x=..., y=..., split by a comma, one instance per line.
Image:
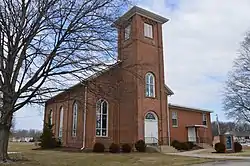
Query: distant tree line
x=27, y=133
x=229, y=127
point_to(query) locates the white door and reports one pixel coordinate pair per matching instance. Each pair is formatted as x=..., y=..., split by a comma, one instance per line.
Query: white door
x=151, y=128
x=191, y=134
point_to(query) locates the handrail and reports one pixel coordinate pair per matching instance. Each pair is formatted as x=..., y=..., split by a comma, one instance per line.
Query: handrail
x=154, y=140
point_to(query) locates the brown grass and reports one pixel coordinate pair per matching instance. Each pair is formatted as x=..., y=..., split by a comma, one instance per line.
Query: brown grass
x=58, y=158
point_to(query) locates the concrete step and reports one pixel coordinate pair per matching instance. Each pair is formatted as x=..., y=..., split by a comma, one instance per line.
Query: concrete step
x=168, y=149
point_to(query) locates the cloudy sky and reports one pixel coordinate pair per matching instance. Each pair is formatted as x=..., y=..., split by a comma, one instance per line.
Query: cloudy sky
x=200, y=43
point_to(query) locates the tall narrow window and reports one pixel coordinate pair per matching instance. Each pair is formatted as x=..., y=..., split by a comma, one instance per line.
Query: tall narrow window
x=51, y=117
x=174, y=119
x=74, y=119
x=102, y=118
x=148, y=30
x=150, y=85
x=127, y=32
x=60, y=133
x=204, y=119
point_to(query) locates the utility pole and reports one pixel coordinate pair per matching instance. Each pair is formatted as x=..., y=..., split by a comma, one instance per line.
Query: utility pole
x=218, y=125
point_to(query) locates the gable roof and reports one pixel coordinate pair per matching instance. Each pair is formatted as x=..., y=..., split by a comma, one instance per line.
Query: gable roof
x=97, y=74
x=168, y=90
x=188, y=108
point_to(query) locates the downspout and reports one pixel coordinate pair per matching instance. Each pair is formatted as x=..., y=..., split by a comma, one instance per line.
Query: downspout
x=169, y=135
x=84, y=117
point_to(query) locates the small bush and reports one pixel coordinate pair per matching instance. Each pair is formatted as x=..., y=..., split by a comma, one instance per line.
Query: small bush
x=140, y=146
x=184, y=146
x=176, y=144
x=114, y=148
x=190, y=145
x=48, y=140
x=126, y=148
x=220, y=147
x=98, y=147
x=237, y=147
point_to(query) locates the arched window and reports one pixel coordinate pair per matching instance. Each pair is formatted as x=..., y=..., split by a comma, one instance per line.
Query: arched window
x=150, y=85
x=102, y=118
x=150, y=116
x=60, y=133
x=74, y=119
x=51, y=117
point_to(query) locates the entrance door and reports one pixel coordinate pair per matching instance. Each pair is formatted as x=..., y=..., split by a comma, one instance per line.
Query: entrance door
x=151, y=128
x=191, y=134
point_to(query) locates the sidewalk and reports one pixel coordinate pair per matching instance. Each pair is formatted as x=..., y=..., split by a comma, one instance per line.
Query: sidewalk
x=197, y=154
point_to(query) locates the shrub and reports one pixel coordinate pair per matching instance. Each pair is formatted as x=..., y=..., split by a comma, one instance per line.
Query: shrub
x=184, y=146
x=140, y=146
x=98, y=147
x=114, y=148
x=176, y=144
x=237, y=147
x=126, y=148
x=220, y=147
x=48, y=141
x=190, y=145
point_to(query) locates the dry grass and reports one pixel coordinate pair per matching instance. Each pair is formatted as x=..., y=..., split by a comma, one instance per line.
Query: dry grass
x=245, y=152
x=58, y=158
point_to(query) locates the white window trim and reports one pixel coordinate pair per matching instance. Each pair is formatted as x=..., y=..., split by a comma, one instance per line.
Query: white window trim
x=60, y=133
x=148, y=84
x=107, y=128
x=127, y=32
x=173, y=125
x=74, y=119
x=148, y=30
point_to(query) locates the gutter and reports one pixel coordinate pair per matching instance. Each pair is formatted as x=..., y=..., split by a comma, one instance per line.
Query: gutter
x=169, y=133
x=84, y=117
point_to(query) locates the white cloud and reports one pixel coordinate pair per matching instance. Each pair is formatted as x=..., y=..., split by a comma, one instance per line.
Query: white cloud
x=200, y=42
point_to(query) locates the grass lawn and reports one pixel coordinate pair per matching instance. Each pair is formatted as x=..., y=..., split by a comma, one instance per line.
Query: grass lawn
x=58, y=158
x=245, y=152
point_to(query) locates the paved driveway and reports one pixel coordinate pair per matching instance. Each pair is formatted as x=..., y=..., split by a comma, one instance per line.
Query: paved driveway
x=227, y=163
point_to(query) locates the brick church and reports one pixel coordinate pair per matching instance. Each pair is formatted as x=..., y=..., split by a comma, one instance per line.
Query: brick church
x=129, y=100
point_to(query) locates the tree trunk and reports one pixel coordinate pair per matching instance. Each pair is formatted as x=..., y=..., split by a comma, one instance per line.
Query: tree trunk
x=4, y=140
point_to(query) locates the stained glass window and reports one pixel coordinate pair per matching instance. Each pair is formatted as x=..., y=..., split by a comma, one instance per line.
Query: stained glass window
x=150, y=116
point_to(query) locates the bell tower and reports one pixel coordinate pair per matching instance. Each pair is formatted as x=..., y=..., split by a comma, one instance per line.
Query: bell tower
x=140, y=47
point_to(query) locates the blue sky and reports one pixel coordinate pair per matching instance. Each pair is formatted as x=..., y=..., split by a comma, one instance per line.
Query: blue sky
x=201, y=41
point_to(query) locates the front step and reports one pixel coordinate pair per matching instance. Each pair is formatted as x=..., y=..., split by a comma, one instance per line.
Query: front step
x=168, y=149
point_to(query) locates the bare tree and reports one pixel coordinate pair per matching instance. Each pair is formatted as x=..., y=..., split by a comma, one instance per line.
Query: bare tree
x=46, y=45
x=237, y=91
